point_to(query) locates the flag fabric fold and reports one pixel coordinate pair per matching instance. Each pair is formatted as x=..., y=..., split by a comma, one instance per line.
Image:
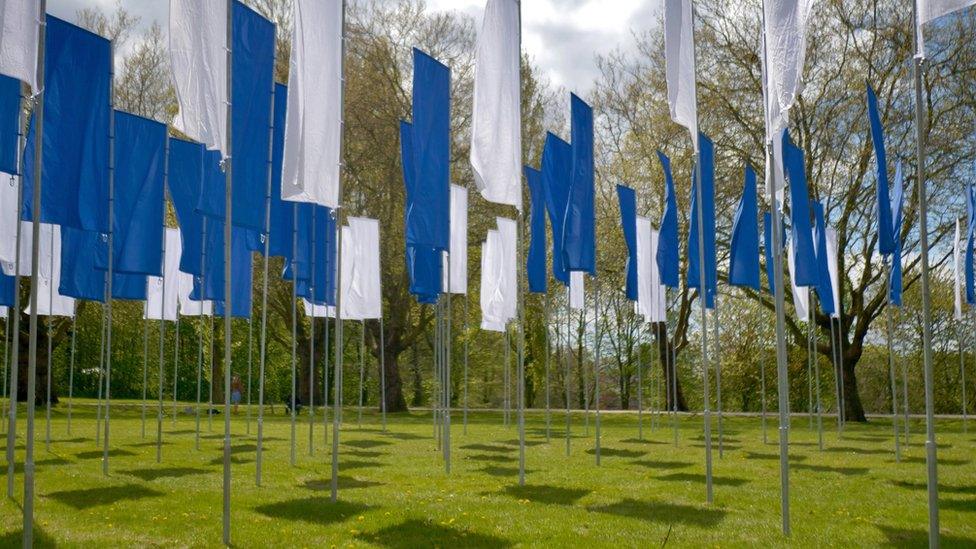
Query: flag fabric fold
x=706, y=157
x=645, y=266
x=825, y=292
x=50, y=301
x=957, y=254
x=786, y=44
x=668, y=247
x=679, y=56
x=628, y=221
x=577, y=285
x=457, y=262
x=833, y=266
x=184, y=182
x=801, y=294
x=744, y=246
x=8, y=222
x=10, y=106
x=970, y=236
x=313, y=131
x=361, y=291
x=897, y=219
x=163, y=302
x=886, y=244
x=804, y=254
x=496, y=122
x=557, y=161
x=19, y=37
x=579, y=228
x=535, y=263
x=490, y=298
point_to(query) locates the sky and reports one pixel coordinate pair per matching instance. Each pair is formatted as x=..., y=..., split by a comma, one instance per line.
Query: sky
x=562, y=36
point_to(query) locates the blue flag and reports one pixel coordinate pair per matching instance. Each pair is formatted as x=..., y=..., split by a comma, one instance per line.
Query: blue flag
x=667, y=246
x=535, y=264
x=805, y=255
x=240, y=265
x=140, y=148
x=184, y=182
x=424, y=266
x=7, y=290
x=323, y=252
x=427, y=215
x=706, y=154
x=9, y=123
x=897, y=207
x=282, y=213
x=970, y=235
x=129, y=287
x=79, y=277
x=768, y=248
x=251, y=82
x=824, y=287
x=579, y=228
x=557, y=165
x=78, y=81
x=886, y=244
x=744, y=247
x=628, y=220
x=300, y=238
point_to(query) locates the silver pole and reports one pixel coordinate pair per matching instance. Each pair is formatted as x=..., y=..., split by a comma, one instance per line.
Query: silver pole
x=891, y=362
x=782, y=374
x=671, y=367
x=200, y=327
x=101, y=374
x=837, y=375
x=15, y=311
x=506, y=376
x=762, y=387
x=6, y=367
x=640, y=389
x=337, y=400
x=566, y=376
x=311, y=346
x=262, y=360
x=520, y=369
x=28, y=535
x=548, y=357
x=718, y=376
x=325, y=383
x=362, y=369
x=176, y=362
x=816, y=377
x=810, y=359
x=71, y=367
x=843, y=384
x=930, y=446
x=596, y=361
x=294, y=328
x=228, y=308
x=383, y=372
x=904, y=388
x=50, y=350
x=162, y=314
x=213, y=352
x=448, y=361
x=250, y=353
x=466, y=336
x=962, y=377
x=145, y=365
x=111, y=268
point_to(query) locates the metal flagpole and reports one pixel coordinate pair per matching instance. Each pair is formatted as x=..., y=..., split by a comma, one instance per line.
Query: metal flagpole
x=294, y=327
x=101, y=373
x=548, y=358
x=213, y=352
x=837, y=377
x=111, y=265
x=671, y=383
x=596, y=361
x=586, y=378
x=382, y=372
x=162, y=315
x=816, y=378
x=325, y=382
x=337, y=399
x=520, y=367
x=436, y=355
x=506, y=375
x=362, y=370
x=311, y=345
x=566, y=376
x=840, y=361
x=782, y=373
x=6, y=368
x=250, y=353
x=466, y=335
x=762, y=387
x=962, y=376
x=673, y=352
x=891, y=362
x=145, y=363
x=50, y=351
x=28, y=532
x=904, y=388
x=448, y=359
x=930, y=445
x=176, y=359
x=640, y=389
x=718, y=375
x=259, y=447
x=809, y=320
x=14, y=313
x=200, y=324
x=228, y=234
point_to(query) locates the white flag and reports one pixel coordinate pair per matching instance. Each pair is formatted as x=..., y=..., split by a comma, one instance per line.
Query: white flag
x=318, y=311
x=490, y=298
x=19, y=37
x=645, y=260
x=496, y=126
x=189, y=307
x=659, y=292
x=786, y=46
x=49, y=301
x=507, y=255
x=8, y=221
x=834, y=268
x=801, y=294
x=313, y=121
x=958, y=262
x=3, y=312
x=361, y=294
x=157, y=304
x=679, y=57
x=457, y=264
x=198, y=55
x=576, y=290
x=929, y=10
x=26, y=240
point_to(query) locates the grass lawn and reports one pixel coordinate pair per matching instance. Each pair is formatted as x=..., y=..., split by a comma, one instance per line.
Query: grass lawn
x=394, y=491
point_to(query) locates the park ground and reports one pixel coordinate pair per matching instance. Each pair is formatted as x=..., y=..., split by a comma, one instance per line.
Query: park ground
x=394, y=491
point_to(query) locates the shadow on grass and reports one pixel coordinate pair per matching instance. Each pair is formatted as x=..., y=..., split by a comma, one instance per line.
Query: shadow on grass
x=902, y=537
x=70, y=441
x=942, y=461
x=515, y=442
x=344, y=483
x=236, y=460
x=664, y=513
x=181, y=432
x=943, y=488
x=19, y=465
x=540, y=493
x=726, y=447
x=695, y=477
x=91, y=497
x=771, y=457
x=146, y=444
x=639, y=441
x=964, y=505
x=662, y=464
x=362, y=453
x=365, y=444
x=16, y=539
x=419, y=533
x=315, y=510
x=358, y=464
x=488, y=448
x=149, y=475
x=617, y=452
x=491, y=458
x=854, y=450
x=496, y=471
x=97, y=454
x=405, y=436
x=846, y=471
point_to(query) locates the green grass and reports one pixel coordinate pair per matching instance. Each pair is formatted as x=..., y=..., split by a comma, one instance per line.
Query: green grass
x=394, y=491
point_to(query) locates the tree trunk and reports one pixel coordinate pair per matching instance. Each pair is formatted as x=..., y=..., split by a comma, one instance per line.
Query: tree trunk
x=665, y=350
